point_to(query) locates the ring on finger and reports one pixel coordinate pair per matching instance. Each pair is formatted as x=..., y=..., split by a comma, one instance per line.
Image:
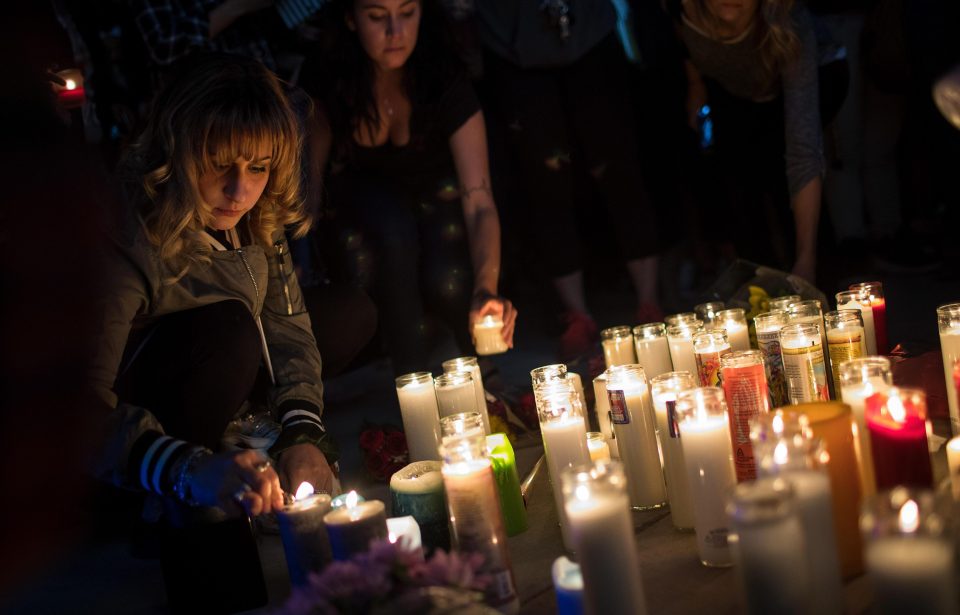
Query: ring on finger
x=261, y=466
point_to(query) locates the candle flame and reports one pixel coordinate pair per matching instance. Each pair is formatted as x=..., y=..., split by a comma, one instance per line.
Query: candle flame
x=895, y=409
x=392, y=537
x=488, y=320
x=778, y=424
x=70, y=84
x=351, y=499
x=909, y=517
x=305, y=490
x=582, y=493
x=780, y=453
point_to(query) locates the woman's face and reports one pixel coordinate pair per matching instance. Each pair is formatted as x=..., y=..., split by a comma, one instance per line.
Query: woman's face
x=734, y=14
x=231, y=188
x=387, y=30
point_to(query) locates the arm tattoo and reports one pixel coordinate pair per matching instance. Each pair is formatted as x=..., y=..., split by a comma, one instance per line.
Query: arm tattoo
x=483, y=187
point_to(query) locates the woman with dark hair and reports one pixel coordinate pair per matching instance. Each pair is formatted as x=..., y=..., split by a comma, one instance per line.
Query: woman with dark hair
x=402, y=131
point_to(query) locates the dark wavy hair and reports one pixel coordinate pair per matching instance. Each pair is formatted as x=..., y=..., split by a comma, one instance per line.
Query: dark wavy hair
x=340, y=73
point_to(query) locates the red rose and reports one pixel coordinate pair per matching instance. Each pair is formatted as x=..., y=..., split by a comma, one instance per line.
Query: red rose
x=395, y=444
x=371, y=439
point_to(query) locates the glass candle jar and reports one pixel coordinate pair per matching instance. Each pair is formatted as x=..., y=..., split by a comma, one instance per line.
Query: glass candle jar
x=470, y=364
x=878, y=305
x=680, y=318
x=708, y=458
x=783, y=302
x=858, y=300
x=598, y=447
x=745, y=388
x=664, y=389
x=897, y=422
x=420, y=414
x=948, y=321
x=846, y=339
x=476, y=521
x=597, y=506
x=768, y=327
x=708, y=347
x=455, y=393
x=631, y=412
x=707, y=311
x=488, y=336
x=860, y=379
x=653, y=353
x=680, y=340
x=803, y=365
x=617, y=343
x=734, y=323
x=462, y=424
x=909, y=555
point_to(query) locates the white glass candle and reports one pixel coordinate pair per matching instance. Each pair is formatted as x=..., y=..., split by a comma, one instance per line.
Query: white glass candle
x=810, y=311
x=846, y=339
x=948, y=321
x=860, y=301
x=708, y=347
x=476, y=522
x=708, y=456
x=558, y=371
x=768, y=327
x=909, y=558
x=682, y=317
x=653, y=353
x=617, y=343
x=783, y=302
x=665, y=389
x=799, y=460
x=602, y=531
x=734, y=323
x=859, y=379
x=707, y=312
x=803, y=362
x=462, y=424
x=680, y=340
x=564, y=438
x=953, y=465
x=455, y=393
x=470, y=364
x=766, y=539
x=602, y=410
x=420, y=414
x=631, y=412
x=488, y=336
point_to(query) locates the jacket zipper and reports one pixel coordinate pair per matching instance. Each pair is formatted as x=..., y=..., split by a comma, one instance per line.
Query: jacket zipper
x=281, y=257
x=256, y=287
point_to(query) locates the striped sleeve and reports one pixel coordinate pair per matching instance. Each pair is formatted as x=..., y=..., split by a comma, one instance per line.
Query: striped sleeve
x=152, y=457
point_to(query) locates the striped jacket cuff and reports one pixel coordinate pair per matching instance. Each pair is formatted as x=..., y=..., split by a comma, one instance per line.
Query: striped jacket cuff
x=151, y=458
x=300, y=415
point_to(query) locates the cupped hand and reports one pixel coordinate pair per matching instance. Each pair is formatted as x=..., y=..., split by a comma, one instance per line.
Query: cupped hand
x=243, y=481
x=487, y=304
x=305, y=462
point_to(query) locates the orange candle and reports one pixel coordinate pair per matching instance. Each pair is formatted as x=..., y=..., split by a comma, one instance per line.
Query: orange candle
x=832, y=422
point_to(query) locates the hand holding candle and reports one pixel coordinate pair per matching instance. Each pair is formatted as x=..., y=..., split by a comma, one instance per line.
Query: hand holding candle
x=485, y=310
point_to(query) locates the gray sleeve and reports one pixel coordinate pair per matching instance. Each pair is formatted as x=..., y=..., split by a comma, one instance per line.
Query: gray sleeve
x=801, y=105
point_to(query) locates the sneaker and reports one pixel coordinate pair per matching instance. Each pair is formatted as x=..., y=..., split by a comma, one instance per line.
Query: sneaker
x=579, y=335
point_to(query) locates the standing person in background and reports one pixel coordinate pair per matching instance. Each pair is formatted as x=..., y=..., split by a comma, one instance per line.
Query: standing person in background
x=559, y=79
x=757, y=68
x=404, y=136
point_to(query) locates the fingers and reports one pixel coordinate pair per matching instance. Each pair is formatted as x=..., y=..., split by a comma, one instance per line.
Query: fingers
x=260, y=491
x=510, y=314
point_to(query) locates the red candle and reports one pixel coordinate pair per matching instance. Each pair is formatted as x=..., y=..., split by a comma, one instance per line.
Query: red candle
x=897, y=422
x=878, y=305
x=744, y=383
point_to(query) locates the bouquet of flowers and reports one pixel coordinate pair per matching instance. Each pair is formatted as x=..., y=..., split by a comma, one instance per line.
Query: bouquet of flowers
x=389, y=578
x=384, y=449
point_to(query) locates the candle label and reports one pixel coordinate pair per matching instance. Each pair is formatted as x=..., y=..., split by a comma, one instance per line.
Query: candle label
x=708, y=366
x=716, y=538
x=843, y=349
x=618, y=407
x=769, y=343
x=806, y=374
x=672, y=418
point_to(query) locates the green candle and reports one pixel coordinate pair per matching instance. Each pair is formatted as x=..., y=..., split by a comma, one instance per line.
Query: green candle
x=508, y=483
x=417, y=490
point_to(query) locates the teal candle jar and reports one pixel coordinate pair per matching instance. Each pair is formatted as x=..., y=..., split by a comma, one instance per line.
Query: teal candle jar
x=417, y=490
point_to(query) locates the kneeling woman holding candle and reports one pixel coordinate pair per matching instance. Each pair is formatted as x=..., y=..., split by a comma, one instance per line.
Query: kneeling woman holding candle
x=201, y=309
x=404, y=133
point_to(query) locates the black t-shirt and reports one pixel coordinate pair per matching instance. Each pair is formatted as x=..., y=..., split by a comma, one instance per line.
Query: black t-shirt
x=426, y=159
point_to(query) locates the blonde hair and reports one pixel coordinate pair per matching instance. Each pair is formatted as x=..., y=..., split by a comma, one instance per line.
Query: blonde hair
x=779, y=43
x=219, y=108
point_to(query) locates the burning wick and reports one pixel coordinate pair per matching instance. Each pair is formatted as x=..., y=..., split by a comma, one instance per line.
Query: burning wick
x=305, y=490
x=70, y=84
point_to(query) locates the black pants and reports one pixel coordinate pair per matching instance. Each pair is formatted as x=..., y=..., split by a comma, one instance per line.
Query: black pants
x=410, y=251
x=752, y=206
x=583, y=109
x=194, y=370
